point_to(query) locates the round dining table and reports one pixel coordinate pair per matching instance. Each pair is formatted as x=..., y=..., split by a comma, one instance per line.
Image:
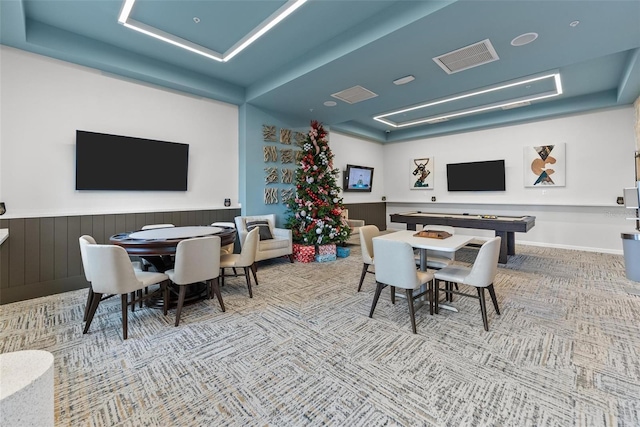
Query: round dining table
x=158, y=245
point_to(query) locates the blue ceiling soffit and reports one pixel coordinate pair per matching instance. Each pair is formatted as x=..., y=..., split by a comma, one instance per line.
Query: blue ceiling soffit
x=325, y=47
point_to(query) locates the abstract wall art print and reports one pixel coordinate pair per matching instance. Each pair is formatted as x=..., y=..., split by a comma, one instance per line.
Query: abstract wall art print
x=421, y=173
x=544, y=166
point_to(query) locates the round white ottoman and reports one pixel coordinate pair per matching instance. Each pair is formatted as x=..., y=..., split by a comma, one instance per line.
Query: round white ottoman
x=26, y=388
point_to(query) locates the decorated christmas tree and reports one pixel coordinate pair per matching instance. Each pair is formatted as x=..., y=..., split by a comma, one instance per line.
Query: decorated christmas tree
x=315, y=210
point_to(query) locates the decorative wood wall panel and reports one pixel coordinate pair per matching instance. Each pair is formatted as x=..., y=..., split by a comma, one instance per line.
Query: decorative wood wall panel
x=371, y=213
x=42, y=255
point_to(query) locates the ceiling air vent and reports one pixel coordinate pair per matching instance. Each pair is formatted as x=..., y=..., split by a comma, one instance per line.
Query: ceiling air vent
x=467, y=57
x=354, y=94
x=515, y=105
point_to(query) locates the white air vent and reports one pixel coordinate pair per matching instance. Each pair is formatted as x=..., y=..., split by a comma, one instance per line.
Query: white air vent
x=354, y=94
x=467, y=57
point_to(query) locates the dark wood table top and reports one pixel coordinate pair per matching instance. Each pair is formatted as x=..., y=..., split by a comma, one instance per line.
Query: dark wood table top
x=167, y=246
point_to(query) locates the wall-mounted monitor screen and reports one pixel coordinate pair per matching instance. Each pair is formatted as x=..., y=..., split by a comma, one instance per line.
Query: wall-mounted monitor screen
x=113, y=162
x=476, y=176
x=357, y=178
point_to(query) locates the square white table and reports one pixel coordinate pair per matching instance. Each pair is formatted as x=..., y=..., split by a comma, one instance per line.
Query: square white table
x=450, y=244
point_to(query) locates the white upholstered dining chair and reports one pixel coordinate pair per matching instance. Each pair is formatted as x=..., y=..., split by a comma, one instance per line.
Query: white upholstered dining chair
x=197, y=260
x=396, y=268
x=111, y=272
x=367, y=233
x=481, y=275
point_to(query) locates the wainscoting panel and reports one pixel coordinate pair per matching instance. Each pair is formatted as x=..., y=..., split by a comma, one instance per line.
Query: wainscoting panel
x=371, y=213
x=42, y=255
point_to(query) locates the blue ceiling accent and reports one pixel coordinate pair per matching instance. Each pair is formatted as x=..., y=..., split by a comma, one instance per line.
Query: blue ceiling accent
x=327, y=46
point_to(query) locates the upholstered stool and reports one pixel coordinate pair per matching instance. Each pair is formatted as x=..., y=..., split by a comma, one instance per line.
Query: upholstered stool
x=26, y=395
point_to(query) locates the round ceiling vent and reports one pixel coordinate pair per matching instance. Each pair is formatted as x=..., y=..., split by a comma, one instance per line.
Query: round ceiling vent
x=523, y=39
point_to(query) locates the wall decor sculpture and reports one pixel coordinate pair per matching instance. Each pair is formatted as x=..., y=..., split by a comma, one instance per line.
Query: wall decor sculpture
x=272, y=175
x=269, y=133
x=285, y=136
x=544, y=165
x=286, y=156
x=270, y=153
x=422, y=173
x=287, y=175
x=286, y=194
x=270, y=196
x=300, y=138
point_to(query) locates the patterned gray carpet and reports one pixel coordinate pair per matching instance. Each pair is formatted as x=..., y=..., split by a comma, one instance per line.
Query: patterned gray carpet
x=303, y=351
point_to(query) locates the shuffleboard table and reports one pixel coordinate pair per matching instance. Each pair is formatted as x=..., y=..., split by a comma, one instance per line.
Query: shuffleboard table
x=504, y=226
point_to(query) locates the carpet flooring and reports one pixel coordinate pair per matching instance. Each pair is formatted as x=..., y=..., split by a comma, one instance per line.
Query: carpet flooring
x=303, y=351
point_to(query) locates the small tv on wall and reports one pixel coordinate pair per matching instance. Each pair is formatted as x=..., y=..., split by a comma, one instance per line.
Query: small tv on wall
x=476, y=176
x=357, y=178
x=114, y=162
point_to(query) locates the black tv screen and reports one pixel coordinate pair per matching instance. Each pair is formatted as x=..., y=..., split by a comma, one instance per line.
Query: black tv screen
x=476, y=176
x=113, y=162
x=357, y=178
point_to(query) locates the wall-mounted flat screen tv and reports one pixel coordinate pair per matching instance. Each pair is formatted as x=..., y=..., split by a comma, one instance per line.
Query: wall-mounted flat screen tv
x=476, y=176
x=114, y=162
x=357, y=178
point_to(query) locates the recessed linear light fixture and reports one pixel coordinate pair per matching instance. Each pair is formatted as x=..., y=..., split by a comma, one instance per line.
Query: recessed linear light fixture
x=287, y=9
x=438, y=118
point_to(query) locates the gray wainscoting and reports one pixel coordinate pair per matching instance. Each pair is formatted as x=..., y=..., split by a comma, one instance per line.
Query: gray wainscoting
x=371, y=213
x=42, y=255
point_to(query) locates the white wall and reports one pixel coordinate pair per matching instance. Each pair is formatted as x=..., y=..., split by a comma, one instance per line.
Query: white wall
x=350, y=150
x=44, y=101
x=582, y=215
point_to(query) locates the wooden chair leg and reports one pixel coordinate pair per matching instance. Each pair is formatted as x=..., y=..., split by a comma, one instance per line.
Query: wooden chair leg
x=183, y=291
x=88, y=305
x=246, y=275
x=430, y=295
x=412, y=311
x=95, y=300
x=125, y=303
x=393, y=294
x=254, y=269
x=365, y=267
x=436, y=296
x=216, y=290
x=133, y=298
x=483, y=309
x=222, y=277
x=492, y=292
x=376, y=296
x=165, y=297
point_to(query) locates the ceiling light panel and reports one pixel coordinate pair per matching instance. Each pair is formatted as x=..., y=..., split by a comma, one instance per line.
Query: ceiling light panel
x=274, y=19
x=467, y=57
x=354, y=94
x=479, y=101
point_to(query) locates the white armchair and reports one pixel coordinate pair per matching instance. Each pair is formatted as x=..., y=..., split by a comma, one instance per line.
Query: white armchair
x=280, y=243
x=355, y=225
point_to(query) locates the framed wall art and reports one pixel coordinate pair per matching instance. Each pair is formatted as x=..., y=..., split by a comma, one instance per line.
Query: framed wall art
x=421, y=173
x=544, y=166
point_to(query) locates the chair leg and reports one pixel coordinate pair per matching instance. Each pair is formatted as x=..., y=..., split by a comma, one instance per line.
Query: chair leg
x=216, y=290
x=412, y=311
x=483, y=308
x=222, y=277
x=376, y=297
x=125, y=321
x=165, y=297
x=365, y=267
x=95, y=300
x=492, y=292
x=89, y=299
x=246, y=275
x=133, y=298
x=436, y=296
x=254, y=270
x=393, y=294
x=183, y=291
x=430, y=295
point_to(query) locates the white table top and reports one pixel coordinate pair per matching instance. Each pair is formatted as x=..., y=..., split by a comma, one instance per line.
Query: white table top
x=450, y=244
x=175, y=233
x=4, y=234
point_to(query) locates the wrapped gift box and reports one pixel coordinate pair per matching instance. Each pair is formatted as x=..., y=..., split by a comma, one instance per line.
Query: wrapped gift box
x=325, y=258
x=329, y=249
x=342, y=252
x=303, y=253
